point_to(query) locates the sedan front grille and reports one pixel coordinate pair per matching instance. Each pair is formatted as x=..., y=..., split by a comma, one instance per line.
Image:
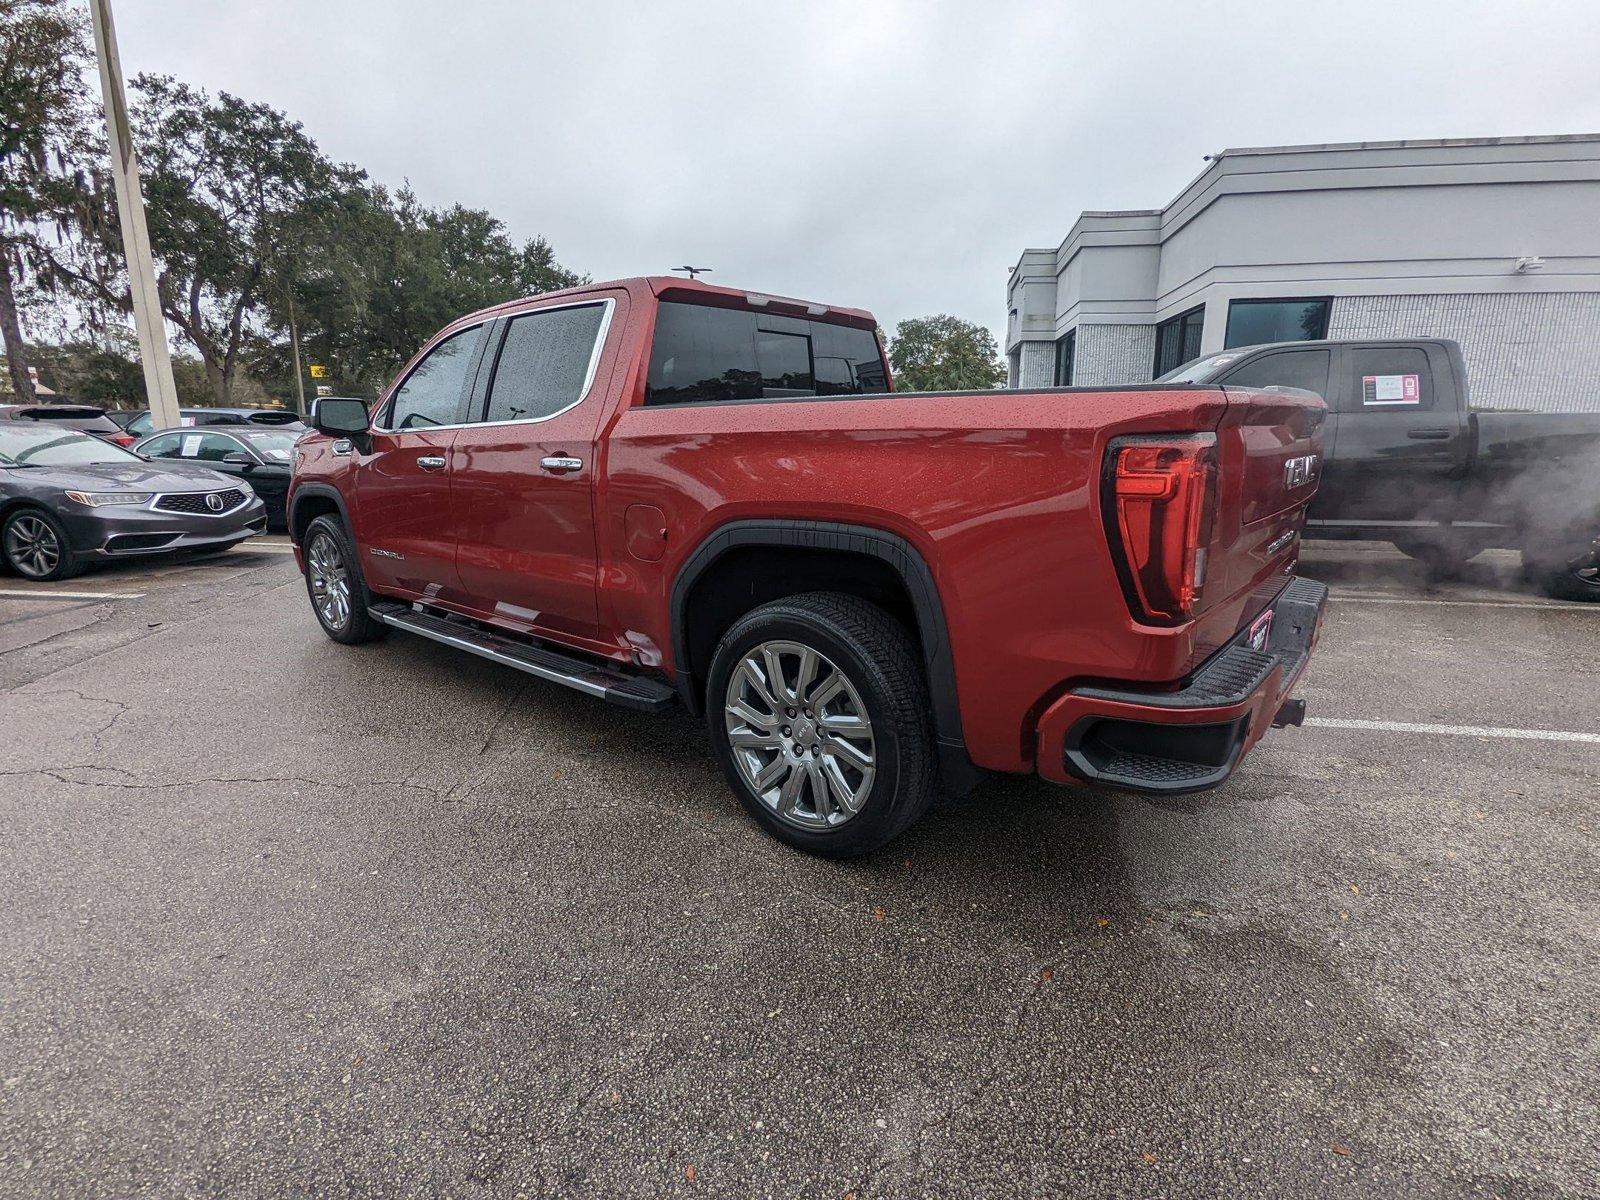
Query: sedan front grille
x=201, y=502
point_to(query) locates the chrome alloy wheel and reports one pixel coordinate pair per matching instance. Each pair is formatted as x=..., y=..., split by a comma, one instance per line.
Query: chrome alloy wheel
x=800, y=735
x=32, y=546
x=330, y=582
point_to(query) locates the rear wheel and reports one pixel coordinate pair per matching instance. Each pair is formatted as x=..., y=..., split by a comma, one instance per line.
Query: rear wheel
x=1576, y=578
x=34, y=545
x=333, y=581
x=818, y=712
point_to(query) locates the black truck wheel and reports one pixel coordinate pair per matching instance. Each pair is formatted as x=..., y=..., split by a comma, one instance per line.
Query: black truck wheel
x=819, y=714
x=1574, y=579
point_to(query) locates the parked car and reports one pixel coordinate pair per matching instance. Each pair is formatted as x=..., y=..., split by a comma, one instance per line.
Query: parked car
x=68, y=499
x=139, y=423
x=1410, y=461
x=260, y=455
x=660, y=491
x=83, y=417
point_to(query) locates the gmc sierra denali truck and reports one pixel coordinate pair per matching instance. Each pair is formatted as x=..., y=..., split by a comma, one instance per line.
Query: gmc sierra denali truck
x=1412, y=462
x=660, y=492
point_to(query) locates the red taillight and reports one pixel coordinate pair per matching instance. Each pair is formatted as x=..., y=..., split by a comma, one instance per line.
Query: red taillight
x=123, y=439
x=1162, y=495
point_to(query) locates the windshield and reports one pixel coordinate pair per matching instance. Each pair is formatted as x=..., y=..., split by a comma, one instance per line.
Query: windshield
x=273, y=445
x=1201, y=368
x=52, y=446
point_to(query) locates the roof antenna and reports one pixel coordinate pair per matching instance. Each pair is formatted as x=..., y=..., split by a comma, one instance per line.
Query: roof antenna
x=693, y=271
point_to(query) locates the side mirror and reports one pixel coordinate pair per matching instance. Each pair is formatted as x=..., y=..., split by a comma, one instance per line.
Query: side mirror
x=238, y=458
x=339, y=416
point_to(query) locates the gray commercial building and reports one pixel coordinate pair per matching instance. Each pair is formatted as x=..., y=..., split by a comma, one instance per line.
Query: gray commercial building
x=1492, y=241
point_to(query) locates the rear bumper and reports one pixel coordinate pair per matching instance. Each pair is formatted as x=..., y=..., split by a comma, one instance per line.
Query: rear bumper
x=1190, y=738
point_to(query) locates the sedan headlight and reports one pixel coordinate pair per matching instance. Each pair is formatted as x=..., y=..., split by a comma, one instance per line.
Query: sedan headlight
x=101, y=499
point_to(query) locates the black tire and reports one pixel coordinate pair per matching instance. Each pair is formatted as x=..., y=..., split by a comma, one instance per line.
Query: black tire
x=879, y=658
x=1443, y=558
x=1576, y=578
x=357, y=624
x=34, y=544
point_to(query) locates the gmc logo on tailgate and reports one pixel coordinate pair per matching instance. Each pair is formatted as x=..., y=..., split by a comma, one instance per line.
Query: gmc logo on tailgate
x=1299, y=471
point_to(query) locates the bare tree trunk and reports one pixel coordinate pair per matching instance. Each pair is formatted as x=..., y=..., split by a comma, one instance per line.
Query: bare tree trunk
x=11, y=328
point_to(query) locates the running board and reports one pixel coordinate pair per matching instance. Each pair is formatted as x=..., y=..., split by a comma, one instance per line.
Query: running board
x=616, y=687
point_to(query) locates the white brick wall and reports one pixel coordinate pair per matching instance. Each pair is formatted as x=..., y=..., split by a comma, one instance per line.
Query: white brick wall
x=1038, y=365
x=1108, y=354
x=1534, y=351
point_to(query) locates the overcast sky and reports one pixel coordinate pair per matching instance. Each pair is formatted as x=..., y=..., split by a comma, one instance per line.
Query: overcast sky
x=893, y=156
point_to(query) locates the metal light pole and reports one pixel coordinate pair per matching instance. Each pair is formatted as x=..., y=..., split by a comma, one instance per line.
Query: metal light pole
x=147, y=320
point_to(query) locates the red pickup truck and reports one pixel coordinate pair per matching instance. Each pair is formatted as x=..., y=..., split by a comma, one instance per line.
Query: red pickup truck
x=661, y=492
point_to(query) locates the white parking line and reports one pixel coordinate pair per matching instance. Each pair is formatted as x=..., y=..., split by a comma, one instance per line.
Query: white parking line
x=277, y=547
x=49, y=594
x=1482, y=731
x=1349, y=598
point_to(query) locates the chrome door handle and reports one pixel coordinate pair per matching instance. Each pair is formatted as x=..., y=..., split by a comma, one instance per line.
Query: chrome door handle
x=431, y=462
x=561, y=463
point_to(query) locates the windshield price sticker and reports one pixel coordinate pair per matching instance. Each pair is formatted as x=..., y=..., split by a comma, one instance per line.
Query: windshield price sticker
x=191, y=445
x=1391, y=389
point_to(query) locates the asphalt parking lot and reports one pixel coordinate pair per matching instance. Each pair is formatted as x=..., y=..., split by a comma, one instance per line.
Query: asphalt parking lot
x=288, y=918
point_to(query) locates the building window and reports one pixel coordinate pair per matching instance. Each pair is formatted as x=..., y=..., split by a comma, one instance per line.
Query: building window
x=1255, y=322
x=1065, y=346
x=1178, y=340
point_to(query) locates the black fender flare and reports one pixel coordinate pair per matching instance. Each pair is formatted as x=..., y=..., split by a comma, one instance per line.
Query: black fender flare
x=326, y=491
x=958, y=771
x=329, y=492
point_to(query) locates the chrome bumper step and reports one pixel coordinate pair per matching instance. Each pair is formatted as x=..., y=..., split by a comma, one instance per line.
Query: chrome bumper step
x=595, y=679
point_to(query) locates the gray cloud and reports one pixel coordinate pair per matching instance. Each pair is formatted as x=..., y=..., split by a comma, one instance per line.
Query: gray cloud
x=895, y=156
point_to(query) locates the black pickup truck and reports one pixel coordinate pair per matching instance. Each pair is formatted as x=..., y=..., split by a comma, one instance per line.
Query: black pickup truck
x=1410, y=461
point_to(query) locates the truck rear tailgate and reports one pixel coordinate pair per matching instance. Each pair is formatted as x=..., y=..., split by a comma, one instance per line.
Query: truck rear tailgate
x=1269, y=457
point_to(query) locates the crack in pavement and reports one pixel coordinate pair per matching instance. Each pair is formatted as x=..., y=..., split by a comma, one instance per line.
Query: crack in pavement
x=57, y=773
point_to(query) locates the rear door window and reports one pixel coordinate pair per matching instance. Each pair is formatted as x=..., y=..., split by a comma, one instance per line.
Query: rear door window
x=704, y=354
x=1388, y=379
x=205, y=447
x=544, y=363
x=433, y=393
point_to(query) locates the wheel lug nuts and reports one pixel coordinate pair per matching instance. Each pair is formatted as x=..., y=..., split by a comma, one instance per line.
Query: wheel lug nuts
x=785, y=731
x=791, y=712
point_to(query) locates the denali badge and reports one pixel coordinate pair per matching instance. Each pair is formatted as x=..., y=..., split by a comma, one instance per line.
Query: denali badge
x=385, y=553
x=1298, y=471
x=214, y=502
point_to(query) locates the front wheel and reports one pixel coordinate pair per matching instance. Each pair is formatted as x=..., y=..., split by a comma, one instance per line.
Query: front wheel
x=34, y=545
x=333, y=581
x=818, y=712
